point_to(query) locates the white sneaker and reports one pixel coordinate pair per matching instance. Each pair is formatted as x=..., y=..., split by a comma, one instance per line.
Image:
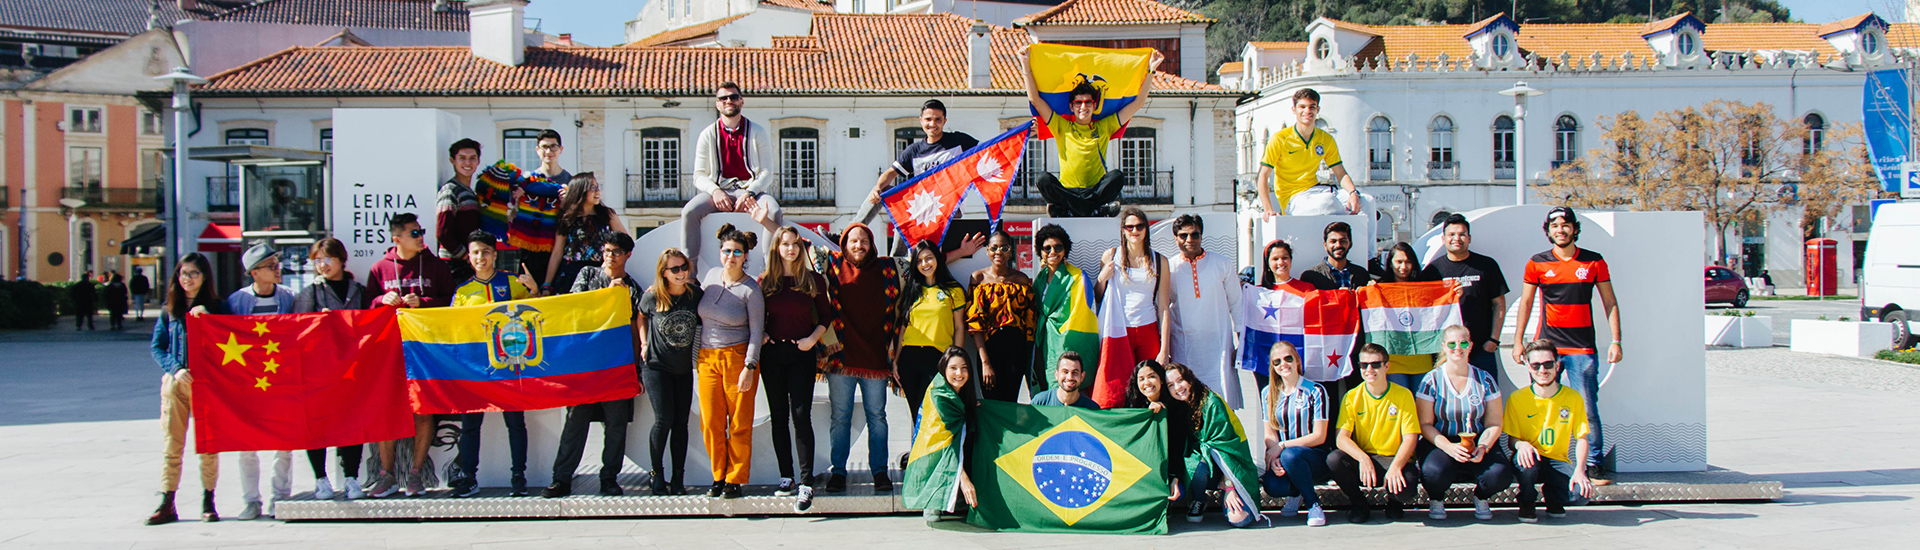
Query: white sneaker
x=1482, y=510
x=1316, y=517
x=805, y=502
x=1437, y=510
x=251, y=511
x=1290, y=508
x=323, y=489
x=354, y=492
x=785, y=489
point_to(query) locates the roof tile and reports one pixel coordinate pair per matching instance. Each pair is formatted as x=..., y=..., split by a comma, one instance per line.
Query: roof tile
x=386, y=14
x=1110, y=12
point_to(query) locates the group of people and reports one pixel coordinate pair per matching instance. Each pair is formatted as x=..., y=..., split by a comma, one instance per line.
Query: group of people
x=867, y=322
x=117, y=295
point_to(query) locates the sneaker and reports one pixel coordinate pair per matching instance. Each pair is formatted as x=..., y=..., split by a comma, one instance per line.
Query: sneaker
x=466, y=489
x=882, y=483
x=1057, y=211
x=1556, y=511
x=1196, y=510
x=353, y=490
x=805, y=502
x=732, y=491
x=1482, y=510
x=1395, y=510
x=1359, y=514
x=519, y=486
x=558, y=489
x=930, y=515
x=323, y=489
x=416, y=482
x=785, y=489
x=1290, y=508
x=251, y=512
x=383, y=485
x=1598, y=475
x=1527, y=515
x=1437, y=510
x=717, y=490
x=1316, y=517
x=836, y=483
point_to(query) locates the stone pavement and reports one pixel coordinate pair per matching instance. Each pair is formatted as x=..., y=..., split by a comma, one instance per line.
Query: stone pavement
x=82, y=449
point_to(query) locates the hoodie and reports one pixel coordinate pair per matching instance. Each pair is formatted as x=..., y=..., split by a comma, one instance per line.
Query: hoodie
x=425, y=275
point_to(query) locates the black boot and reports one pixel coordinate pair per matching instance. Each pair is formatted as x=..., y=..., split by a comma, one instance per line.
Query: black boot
x=165, y=513
x=207, y=514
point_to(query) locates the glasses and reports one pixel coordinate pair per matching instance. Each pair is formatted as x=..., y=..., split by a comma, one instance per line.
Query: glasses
x=728, y=97
x=1288, y=359
x=548, y=146
x=191, y=274
x=613, y=252
x=1188, y=236
x=1373, y=365
x=1053, y=247
x=999, y=248
x=416, y=233
x=323, y=261
x=1543, y=365
x=1458, y=345
x=682, y=268
x=732, y=252
x=1132, y=227
x=1078, y=102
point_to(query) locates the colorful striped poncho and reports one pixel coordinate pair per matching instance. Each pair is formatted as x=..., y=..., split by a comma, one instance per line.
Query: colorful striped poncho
x=532, y=225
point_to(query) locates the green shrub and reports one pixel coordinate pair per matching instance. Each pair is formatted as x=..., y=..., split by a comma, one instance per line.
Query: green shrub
x=28, y=304
x=1909, y=356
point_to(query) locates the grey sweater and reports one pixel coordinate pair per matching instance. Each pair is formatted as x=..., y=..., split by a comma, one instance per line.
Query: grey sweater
x=732, y=314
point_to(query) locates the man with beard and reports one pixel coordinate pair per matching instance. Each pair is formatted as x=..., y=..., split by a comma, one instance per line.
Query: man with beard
x=734, y=168
x=1336, y=271
x=1566, y=277
x=1066, y=385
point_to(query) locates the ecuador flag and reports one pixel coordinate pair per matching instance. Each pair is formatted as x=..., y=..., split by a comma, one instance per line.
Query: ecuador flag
x=1067, y=320
x=933, y=466
x=1058, y=68
x=1407, y=318
x=521, y=355
x=1070, y=470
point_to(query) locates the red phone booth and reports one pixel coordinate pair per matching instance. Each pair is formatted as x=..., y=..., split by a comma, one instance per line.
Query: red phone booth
x=1823, y=274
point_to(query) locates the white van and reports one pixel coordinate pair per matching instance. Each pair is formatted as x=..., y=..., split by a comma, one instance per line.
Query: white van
x=1891, y=285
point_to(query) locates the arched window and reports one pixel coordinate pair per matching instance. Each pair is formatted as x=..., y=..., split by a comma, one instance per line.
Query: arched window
x=1502, y=45
x=1566, y=140
x=1685, y=43
x=1503, y=147
x=1870, y=43
x=1816, y=133
x=1322, y=48
x=1380, y=149
x=1440, y=164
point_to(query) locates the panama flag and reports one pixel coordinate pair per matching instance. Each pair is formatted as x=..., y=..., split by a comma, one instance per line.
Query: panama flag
x=922, y=206
x=1322, y=324
x=1407, y=318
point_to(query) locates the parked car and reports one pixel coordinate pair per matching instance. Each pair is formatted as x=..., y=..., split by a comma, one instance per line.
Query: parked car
x=1891, y=286
x=1723, y=286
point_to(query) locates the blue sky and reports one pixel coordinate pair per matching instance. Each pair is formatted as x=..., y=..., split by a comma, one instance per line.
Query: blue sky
x=602, y=22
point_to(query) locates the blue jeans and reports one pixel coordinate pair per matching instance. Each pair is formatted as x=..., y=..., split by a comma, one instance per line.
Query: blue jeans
x=1409, y=381
x=1582, y=373
x=1490, y=362
x=873, y=397
x=469, y=457
x=1306, y=467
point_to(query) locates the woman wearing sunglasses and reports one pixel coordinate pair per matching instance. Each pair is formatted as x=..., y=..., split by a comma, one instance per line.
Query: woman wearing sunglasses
x=1065, y=317
x=671, y=308
x=732, y=327
x=1131, y=274
x=1295, y=436
x=1461, y=412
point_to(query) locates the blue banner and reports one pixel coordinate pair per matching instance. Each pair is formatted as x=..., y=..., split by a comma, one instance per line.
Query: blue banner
x=1885, y=110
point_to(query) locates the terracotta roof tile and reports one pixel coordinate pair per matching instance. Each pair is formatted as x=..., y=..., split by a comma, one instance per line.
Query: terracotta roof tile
x=122, y=17
x=1663, y=24
x=808, y=42
x=856, y=54
x=386, y=14
x=809, y=5
x=1110, y=12
x=1231, y=67
x=683, y=33
x=1302, y=46
x=1843, y=24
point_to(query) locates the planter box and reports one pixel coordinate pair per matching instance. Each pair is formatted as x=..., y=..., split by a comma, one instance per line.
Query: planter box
x=1740, y=332
x=1841, y=337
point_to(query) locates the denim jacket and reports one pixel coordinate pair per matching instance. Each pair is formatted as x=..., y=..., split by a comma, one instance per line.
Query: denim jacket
x=169, y=346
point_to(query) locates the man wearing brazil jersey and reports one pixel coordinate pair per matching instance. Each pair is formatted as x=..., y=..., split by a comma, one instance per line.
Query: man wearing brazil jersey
x=1293, y=159
x=1566, y=278
x=1547, y=426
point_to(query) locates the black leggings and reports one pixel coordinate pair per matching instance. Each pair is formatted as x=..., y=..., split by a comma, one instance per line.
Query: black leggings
x=1439, y=470
x=788, y=374
x=672, y=398
x=349, y=460
x=1012, y=356
x=918, y=366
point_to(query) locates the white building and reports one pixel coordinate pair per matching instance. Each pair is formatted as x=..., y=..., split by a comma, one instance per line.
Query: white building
x=1421, y=125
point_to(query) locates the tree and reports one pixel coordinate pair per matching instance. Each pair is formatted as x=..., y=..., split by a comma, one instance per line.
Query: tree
x=1733, y=162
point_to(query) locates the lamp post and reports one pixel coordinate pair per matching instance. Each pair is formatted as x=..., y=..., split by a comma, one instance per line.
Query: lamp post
x=182, y=103
x=1520, y=92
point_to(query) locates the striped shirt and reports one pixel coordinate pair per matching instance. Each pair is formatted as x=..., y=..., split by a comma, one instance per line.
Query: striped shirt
x=1296, y=411
x=1458, y=412
x=1566, y=296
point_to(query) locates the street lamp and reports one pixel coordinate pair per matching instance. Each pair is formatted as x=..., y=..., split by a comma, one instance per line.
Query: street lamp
x=182, y=103
x=1520, y=92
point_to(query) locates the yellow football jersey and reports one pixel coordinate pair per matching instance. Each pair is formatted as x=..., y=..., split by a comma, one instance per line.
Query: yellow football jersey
x=1551, y=423
x=1377, y=423
x=1294, y=159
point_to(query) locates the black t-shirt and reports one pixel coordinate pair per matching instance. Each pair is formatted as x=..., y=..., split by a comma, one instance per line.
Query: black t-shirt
x=922, y=156
x=1481, y=282
x=671, y=333
x=1325, y=277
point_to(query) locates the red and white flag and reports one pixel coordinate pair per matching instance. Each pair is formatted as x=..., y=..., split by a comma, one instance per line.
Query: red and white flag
x=922, y=206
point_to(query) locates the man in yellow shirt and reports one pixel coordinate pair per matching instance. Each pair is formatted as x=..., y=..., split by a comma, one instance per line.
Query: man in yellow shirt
x=485, y=287
x=1543, y=422
x=1378, y=429
x=1085, y=188
x=1295, y=155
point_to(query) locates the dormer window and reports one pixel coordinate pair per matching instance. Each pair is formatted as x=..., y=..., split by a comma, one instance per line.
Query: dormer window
x=1322, y=48
x=1870, y=43
x=1502, y=45
x=1686, y=43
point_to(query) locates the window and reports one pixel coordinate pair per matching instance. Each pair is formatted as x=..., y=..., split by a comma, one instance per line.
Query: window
x=1322, y=48
x=1032, y=163
x=800, y=163
x=1503, y=168
x=1685, y=43
x=1502, y=45
x=150, y=123
x=83, y=119
x=153, y=167
x=246, y=136
x=1816, y=133
x=85, y=253
x=1380, y=149
x=904, y=137
x=1137, y=161
x=517, y=147
x=859, y=6
x=1870, y=43
x=686, y=8
x=223, y=194
x=659, y=164
x=326, y=139
x=1566, y=140
x=83, y=167
x=1440, y=164
x=671, y=11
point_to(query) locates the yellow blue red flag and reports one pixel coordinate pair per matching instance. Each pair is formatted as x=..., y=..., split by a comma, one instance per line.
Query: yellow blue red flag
x=1117, y=73
x=521, y=355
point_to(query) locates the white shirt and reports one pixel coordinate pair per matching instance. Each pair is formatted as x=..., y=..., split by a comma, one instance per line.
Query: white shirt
x=1206, y=314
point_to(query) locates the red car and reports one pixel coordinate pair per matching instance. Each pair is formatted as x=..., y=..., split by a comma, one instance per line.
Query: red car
x=1724, y=286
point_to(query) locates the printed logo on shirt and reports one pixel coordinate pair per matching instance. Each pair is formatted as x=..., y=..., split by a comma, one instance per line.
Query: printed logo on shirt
x=1549, y=274
x=1393, y=410
x=1580, y=274
x=1564, y=413
x=1465, y=281
x=1319, y=149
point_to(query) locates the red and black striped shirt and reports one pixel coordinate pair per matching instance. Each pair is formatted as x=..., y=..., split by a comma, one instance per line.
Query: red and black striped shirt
x=1566, y=296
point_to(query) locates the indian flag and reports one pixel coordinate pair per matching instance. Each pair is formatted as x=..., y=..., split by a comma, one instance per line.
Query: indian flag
x=1407, y=318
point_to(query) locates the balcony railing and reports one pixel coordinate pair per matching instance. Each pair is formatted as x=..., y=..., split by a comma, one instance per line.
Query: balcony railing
x=806, y=189
x=1503, y=169
x=1443, y=170
x=223, y=194
x=659, y=190
x=121, y=198
x=1025, y=190
x=1379, y=171
x=1148, y=187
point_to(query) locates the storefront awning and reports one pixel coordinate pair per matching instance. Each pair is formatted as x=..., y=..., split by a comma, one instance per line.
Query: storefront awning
x=148, y=237
x=220, y=237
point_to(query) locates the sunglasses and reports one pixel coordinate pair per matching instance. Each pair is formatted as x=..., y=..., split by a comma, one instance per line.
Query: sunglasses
x=1053, y=247
x=682, y=268
x=999, y=248
x=732, y=252
x=1373, y=364
x=1188, y=236
x=1131, y=227
x=1083, y=102
x=416, y=233
x=1458, y=345
x=1543, y=365
x=1283, y=359
x=728, y=97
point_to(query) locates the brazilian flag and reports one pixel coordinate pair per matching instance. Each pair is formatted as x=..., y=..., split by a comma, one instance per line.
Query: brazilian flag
x=1070, y=470
x=933, y=466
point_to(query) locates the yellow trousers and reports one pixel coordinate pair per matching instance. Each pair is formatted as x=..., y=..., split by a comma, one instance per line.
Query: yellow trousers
x=726, y=412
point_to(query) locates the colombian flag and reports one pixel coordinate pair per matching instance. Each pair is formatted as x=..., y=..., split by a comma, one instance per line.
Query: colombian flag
x=521, y=355
x=1058, y=68
x=1070, y=470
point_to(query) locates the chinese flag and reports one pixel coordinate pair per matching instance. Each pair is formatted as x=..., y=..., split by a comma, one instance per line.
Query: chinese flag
x=297, y=381
x=922, y=206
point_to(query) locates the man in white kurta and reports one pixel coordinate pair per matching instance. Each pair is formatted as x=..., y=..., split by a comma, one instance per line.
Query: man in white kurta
x=1206, y=311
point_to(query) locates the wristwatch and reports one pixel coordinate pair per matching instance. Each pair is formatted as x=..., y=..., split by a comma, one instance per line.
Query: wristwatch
x=753, y=365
